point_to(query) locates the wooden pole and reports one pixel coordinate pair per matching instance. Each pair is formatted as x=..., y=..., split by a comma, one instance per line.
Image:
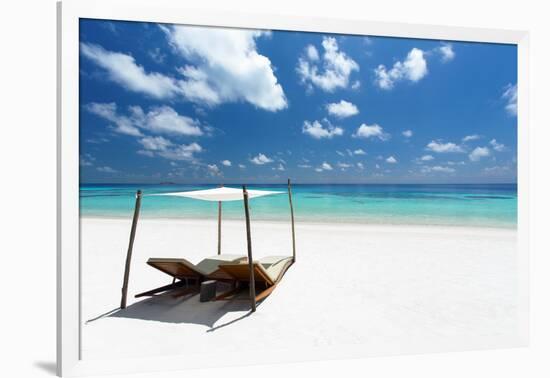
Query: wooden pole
x=252, y=282
x=292, y=222
x=130, y=248
x=220, y=225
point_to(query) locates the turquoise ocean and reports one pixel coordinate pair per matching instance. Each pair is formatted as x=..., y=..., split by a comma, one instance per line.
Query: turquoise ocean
x=480, y=205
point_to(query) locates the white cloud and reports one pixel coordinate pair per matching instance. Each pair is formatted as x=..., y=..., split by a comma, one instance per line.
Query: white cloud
x=344, y=166
x=441, y=147
x=121, y=124
x=497, y=146
x=304, y=166
x=242, y=166
x=510, y=94
x=317, y=131
x=478, y=153
x=155, y=143
x=280, y=167
x=356, y=85
x=157, y=55
x=213, y=170
x=468, y=138
x=158, y=120
x=261, y=159
x=427, y=158
x=456, y=163
x=438, y=168
x=86, y=160
x=106, y=169
x=496, y=170
x=359, y=151
x=312, y=53
x=447, y=52
x=226, y=163
x=342, y=109
x=371, y=131
x=123, y=69
x=360, y=165
x=165, y=148
x=335, y=71
x=391, y=160
x=324, y=167
x=407, y=133
x=165, y=120
x=413, y=69
x=226, y=67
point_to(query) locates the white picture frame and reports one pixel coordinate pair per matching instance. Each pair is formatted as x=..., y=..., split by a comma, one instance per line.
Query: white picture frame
x=68, y=261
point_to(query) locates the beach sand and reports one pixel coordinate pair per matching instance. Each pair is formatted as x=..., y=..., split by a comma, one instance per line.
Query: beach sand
x=392, y=289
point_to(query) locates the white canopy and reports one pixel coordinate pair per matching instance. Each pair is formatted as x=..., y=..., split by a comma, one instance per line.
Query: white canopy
x=220, y=194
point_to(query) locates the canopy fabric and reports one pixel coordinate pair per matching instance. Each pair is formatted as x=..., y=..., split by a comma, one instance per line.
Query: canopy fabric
x=220, y=194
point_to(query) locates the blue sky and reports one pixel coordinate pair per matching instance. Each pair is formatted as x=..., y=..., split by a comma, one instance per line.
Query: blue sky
x=197, y=105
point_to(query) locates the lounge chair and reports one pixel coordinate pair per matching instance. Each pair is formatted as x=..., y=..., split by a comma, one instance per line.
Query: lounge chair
x=268, y=272
x=185, y=271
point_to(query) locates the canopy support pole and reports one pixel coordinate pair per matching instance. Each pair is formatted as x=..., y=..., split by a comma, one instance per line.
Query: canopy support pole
x=292, y=222
x=249, y=247
x=129, y=253
x=220, y=225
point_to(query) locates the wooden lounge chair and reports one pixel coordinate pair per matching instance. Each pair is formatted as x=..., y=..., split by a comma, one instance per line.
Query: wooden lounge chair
x=185, y=271
x=268, y=272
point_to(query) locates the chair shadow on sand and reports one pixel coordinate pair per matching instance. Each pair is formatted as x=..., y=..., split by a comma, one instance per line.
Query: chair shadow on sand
x=189, y=310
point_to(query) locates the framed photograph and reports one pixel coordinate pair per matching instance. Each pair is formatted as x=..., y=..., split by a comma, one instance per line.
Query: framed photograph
x=241, y=189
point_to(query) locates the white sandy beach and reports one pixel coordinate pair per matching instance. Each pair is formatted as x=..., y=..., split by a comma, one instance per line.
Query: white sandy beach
x=392, y=289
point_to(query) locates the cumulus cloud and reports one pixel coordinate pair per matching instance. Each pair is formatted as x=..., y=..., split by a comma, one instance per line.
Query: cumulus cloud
x=86, y=160
x=324, y=167
x=312, y=53
x=158, y=120
x=496, y=170
x=391, y=160
x=226, y=163
x=106, y=169
x=438, y=168
x=342, y=109
x=446, y=51
x=510, y=95
x=121, y=124
x=213, y=170
x=497, y=146
x=316, y=130
x=330, y=73
x=165, y=120
x=413, y=68
x=359, y=151
x=441, y=147
x=407, y=133
x=360, y=165
x=261, y=159
x=123, y=69
x=469, y=138
x=427, y=158
x=371, y=131
x=478, y=153
x=279, y=167
x=159, y=146
x=226, y=67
